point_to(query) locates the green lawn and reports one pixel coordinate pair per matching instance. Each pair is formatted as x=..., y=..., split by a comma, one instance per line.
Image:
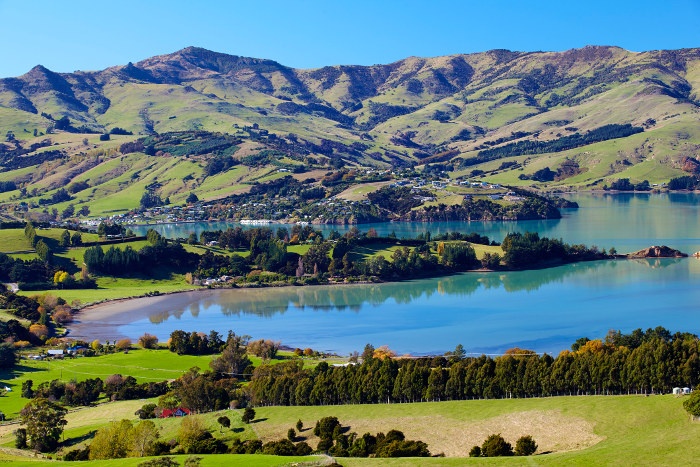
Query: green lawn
x=110, y=288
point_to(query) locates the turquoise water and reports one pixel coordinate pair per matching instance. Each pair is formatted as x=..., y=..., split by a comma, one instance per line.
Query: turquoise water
x=624, y=221
x=543, y=310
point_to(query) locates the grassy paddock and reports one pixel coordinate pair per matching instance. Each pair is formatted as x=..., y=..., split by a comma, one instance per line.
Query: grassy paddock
x=144, y=365
x=587, y=430
x=592, y=430
x=111, y=288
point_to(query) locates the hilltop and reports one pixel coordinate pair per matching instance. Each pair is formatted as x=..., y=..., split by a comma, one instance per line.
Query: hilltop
x=579, y=119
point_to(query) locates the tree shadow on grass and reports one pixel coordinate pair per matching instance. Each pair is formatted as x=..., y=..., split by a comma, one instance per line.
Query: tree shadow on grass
x=79, y=439
x=7, y=374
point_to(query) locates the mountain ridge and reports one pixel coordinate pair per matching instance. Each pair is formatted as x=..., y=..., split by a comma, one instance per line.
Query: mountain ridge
x=409, y=111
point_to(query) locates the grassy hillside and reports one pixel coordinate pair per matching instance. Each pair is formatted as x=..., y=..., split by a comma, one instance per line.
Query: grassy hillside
x=593, y=430
x=430, y=113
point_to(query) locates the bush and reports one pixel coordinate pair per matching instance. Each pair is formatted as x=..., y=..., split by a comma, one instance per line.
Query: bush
x=148, y=341
x=525, y=446
x=21, y=438
x=692, y=404
x=248, y=415
x=495, y=446
x=475, y=451
x=123, y=344
x=160, y=462
x=77, y=454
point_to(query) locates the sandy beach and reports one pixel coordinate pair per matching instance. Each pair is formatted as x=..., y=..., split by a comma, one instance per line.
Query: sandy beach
x=101, y=321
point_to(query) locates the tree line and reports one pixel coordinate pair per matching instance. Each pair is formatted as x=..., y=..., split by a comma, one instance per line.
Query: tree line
x=564, y=143
x=332, y=258
x=652, y=361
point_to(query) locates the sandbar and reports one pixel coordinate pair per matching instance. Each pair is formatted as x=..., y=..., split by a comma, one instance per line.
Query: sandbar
x=102, y=321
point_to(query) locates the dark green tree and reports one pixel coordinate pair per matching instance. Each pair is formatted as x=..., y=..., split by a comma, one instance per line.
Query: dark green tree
x=44, y=421
x=495, y=445
x=248, y=415
x=65, y=239
x=525, y=446
x=692, y=404
x=224, y=421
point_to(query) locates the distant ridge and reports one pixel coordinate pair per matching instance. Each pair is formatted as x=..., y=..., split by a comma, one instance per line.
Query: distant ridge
x=436, y=110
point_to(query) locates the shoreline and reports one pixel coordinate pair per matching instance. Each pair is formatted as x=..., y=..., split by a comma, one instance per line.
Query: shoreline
x=100, y=326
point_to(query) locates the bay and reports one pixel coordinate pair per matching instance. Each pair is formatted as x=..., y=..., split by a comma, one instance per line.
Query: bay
x=543, y=310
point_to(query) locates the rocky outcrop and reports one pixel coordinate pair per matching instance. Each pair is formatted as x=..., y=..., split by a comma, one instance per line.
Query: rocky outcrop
x=657, y=252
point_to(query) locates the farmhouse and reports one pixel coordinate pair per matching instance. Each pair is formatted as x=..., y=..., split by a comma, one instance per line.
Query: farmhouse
x=179, y=412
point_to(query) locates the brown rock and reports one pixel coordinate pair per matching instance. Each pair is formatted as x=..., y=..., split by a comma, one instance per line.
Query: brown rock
x=657, y=252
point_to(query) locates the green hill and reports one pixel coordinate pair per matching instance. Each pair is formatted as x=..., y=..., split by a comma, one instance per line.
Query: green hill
x=439, y=113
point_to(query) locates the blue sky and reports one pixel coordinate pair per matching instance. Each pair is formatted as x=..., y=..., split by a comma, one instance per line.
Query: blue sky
x=74, y=35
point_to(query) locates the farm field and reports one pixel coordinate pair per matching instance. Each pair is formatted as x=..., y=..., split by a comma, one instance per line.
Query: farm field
x=575, y=430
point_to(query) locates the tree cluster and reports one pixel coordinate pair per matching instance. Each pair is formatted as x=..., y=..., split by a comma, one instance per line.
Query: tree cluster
x=564, y=143
x=529, y=249
x=658, y=363
x=496, y=446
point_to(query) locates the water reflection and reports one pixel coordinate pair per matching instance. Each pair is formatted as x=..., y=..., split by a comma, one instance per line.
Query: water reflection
x=267, y=303
x=626, y=221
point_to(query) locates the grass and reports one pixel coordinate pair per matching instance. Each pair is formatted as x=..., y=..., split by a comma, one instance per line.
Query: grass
x=144, y=365
x=613, y=430
x=14, y=240
x=111, y=288
x=585, y=430
x=371, y=250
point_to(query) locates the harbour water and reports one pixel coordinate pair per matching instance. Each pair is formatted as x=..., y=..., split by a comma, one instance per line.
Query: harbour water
x=543, y=310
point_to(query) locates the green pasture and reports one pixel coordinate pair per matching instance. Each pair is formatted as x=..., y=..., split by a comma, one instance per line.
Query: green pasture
x=374, y=249
x=612, y=430
x=110, y=288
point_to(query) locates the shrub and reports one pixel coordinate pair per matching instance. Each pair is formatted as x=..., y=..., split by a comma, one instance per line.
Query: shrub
x=495, y=446
x=123, y=344
x=303, y=449
x=248, y=415
x=160, y=462
x=148, y=341
x=525, y=446
x=475, y=451
x=77, y=454
x=21, y=438
x=62, y=316
x=692, y=404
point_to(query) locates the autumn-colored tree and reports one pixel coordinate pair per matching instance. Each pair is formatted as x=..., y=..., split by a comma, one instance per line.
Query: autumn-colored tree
x=62, y=315
x=123, y=344
x=40, y=331
x=383, y=352
x=441, y=248
x=148, y=341
x=142, y=439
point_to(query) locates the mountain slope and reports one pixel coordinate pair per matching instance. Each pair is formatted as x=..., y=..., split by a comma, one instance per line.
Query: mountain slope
x=442, y=110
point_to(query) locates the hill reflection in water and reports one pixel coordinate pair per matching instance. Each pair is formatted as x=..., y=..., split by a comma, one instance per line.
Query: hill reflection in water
x=545, y=310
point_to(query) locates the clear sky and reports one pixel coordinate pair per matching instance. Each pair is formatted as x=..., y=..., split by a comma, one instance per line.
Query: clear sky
x=71, y=35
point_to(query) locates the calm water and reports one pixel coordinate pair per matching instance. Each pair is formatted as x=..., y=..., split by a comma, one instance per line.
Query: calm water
x=544, y=310
x=624, y=221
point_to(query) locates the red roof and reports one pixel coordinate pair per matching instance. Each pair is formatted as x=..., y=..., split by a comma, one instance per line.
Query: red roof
x=179, y=412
